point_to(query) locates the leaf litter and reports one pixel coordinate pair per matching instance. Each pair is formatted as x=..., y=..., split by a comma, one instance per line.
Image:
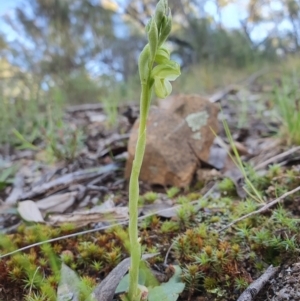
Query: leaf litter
x=92, y=197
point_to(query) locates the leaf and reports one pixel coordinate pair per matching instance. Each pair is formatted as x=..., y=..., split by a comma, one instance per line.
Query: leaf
x=110, y=285
x=147, y=274
x=5, y=176
x=168, y=291
x=124, y=283
x=68, y=288
x=25, y=144
x=146, y=278
x=7, y=173
x=30, y=212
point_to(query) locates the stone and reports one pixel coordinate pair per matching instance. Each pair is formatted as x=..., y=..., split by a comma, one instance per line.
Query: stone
x=201, y=116
x=178, y=135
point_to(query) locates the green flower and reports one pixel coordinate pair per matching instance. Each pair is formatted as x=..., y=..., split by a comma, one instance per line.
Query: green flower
x=162, y=75
x=162, y=55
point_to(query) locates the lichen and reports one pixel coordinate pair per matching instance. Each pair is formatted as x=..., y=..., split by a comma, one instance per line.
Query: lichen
x=196, y=136
x=196, y=120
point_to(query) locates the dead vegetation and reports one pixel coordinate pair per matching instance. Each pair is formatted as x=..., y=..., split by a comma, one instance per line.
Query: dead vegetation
x=224, y=229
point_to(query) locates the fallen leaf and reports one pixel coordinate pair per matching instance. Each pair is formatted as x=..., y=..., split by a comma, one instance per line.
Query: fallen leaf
x=68, y=288
x=106, y=289
x=30, y=212
x=58, y=202
x=83, y=218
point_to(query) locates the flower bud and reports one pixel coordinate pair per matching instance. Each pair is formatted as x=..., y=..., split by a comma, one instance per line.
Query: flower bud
x=153, y=39
x=165, y=29
x=160, y=12
x=144, y=64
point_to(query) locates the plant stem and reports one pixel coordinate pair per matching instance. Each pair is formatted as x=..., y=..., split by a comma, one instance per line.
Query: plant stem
x=134, y=196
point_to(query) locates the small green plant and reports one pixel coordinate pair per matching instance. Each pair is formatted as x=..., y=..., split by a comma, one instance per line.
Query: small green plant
x=240, y=283
x=185, y=215
x=169, y=226
x=172, y=192
x=61, y=141
x=156, y=71
x=86, y=286
x=67, y=257
x=64, y=143
x=288, y=107
x=36, y=297
x=25, y=143
x=150, y=196
x=110, y=106
x=226, y=186
x=274, y=170
x=250, y=188
x=6, y=176
x=192, y=276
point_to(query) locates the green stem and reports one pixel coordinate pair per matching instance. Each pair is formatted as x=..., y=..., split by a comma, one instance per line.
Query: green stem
x=134, y=196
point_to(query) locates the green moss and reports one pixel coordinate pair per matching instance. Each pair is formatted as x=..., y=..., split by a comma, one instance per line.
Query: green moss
x=227, y=187
x=172, y=192
x=150, y=197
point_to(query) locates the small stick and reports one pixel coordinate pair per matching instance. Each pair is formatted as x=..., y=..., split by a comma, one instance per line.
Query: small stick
x=277, y=158
x=68, y=179
x=262, y=209
x=84, y=107
x=16, y=191
x=255, y=287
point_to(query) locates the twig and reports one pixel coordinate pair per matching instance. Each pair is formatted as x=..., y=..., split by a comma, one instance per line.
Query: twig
x=85, y=107
x=68, y=179
x=217, y=96
x=277, y=158
x=16, y=191
x=262, y=209
x=105, y=148
x=255, y=287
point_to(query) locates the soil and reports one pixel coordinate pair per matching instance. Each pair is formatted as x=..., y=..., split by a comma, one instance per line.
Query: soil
x=252, y=127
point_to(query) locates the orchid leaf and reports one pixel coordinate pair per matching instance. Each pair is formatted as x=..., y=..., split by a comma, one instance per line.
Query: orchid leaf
x=168, y=291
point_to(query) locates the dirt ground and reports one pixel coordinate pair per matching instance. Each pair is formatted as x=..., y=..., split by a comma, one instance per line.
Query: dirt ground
x=97, y=173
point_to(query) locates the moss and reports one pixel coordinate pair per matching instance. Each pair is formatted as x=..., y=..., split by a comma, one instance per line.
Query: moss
x=209, y=259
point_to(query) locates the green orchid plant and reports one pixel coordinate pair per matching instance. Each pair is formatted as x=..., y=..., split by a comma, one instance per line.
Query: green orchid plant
x=156, y=71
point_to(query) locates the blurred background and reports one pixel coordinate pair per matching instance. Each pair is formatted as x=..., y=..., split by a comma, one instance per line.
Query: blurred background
x=58, y=52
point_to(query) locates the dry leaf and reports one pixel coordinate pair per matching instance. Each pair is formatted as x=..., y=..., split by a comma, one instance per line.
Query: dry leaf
x=30, y=212
x=83, y=218
x=106, y=289
x=57, y=203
